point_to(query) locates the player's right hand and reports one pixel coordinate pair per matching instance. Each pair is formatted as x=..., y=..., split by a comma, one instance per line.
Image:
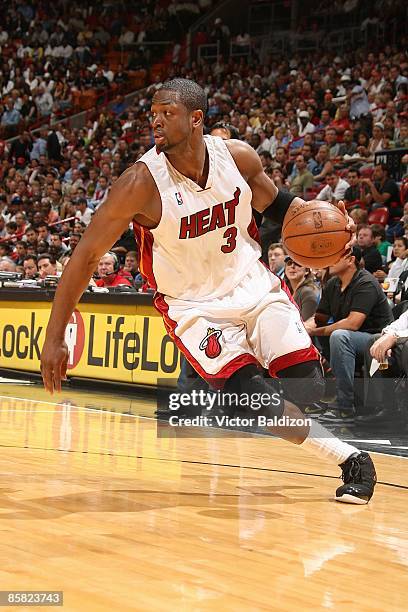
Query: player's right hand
x=54, y=361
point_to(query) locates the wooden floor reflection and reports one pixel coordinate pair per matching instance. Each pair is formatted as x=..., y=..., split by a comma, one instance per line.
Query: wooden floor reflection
x=95, y=504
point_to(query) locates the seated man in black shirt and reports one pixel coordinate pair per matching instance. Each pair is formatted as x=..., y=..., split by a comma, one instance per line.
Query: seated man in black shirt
x=371, y=255
x=358, y=194
x=384, y=191
x=356, y=304
x=349, y=147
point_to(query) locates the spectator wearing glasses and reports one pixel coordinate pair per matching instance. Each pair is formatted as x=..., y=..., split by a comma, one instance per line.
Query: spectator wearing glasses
x=303, y=288
x=109, y=273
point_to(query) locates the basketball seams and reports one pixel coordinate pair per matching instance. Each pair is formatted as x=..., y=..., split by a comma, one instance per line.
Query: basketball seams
x=317, y=234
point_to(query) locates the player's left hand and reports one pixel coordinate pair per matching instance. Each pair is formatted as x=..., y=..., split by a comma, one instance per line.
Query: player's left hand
x=351, y=226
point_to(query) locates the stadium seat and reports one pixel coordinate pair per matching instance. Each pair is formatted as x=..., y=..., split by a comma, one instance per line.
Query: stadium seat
x=379, y=215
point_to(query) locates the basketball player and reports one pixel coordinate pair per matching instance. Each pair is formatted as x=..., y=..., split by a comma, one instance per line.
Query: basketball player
x=190, y=201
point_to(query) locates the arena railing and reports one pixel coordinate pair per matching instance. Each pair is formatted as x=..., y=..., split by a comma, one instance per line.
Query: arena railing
x=233, y=12
x=142, y=45
x=339, y=40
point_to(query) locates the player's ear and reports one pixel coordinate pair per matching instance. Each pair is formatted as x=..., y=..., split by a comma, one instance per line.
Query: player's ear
x=197, y=118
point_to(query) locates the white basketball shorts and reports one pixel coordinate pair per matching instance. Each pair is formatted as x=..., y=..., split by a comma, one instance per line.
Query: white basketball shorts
x=257, y=322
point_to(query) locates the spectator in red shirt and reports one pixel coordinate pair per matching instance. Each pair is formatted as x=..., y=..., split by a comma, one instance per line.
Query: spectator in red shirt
x=109, y=275
x=342, y=122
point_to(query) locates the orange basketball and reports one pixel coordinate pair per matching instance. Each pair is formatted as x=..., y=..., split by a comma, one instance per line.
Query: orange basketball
x=314, y=234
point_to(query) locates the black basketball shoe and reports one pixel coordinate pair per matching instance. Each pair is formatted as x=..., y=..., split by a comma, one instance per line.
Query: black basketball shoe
x=359, y=479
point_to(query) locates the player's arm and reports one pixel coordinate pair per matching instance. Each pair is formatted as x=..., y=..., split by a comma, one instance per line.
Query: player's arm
x=129, y=196
x=266, y=197
x=352, y=322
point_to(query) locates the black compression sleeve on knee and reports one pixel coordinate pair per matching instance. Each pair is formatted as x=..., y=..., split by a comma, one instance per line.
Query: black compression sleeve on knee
x=279, y=207
x=303, y=383
x=250, y=385
x=301, y=370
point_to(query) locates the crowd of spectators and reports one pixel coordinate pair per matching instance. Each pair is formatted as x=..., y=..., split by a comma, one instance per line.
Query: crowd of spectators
x=58, y=58
x=316, y=121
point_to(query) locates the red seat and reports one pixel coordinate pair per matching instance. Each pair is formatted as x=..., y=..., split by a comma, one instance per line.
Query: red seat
x=379, y=215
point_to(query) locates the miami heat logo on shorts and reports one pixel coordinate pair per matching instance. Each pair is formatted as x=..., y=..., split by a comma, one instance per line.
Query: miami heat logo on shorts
x=211, y=343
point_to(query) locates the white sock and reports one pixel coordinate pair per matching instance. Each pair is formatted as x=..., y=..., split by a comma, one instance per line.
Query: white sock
x=322, y=443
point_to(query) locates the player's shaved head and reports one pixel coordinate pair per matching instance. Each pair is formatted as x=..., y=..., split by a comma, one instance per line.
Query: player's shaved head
x=189, y=93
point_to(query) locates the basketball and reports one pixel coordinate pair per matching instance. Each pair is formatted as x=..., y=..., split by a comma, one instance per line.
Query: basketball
x=314, y=234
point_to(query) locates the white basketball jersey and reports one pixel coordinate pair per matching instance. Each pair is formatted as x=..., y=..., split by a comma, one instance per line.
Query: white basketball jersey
x=206, y=240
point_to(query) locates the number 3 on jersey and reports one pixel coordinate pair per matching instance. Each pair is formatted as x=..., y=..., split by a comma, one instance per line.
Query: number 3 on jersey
x=230, y=234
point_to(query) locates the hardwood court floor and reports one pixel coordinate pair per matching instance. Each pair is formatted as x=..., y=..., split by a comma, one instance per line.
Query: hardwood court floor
x=94, y=504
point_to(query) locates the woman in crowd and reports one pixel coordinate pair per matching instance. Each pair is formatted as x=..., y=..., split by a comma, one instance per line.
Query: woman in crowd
x=377, y=140
x=400, y=253
x=303, y=288
x=400, y=263
x=279, y=139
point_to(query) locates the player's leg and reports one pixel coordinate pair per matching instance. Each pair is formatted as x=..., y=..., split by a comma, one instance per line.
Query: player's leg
x=281, y=343
x=358, y=471
x=212, y=339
